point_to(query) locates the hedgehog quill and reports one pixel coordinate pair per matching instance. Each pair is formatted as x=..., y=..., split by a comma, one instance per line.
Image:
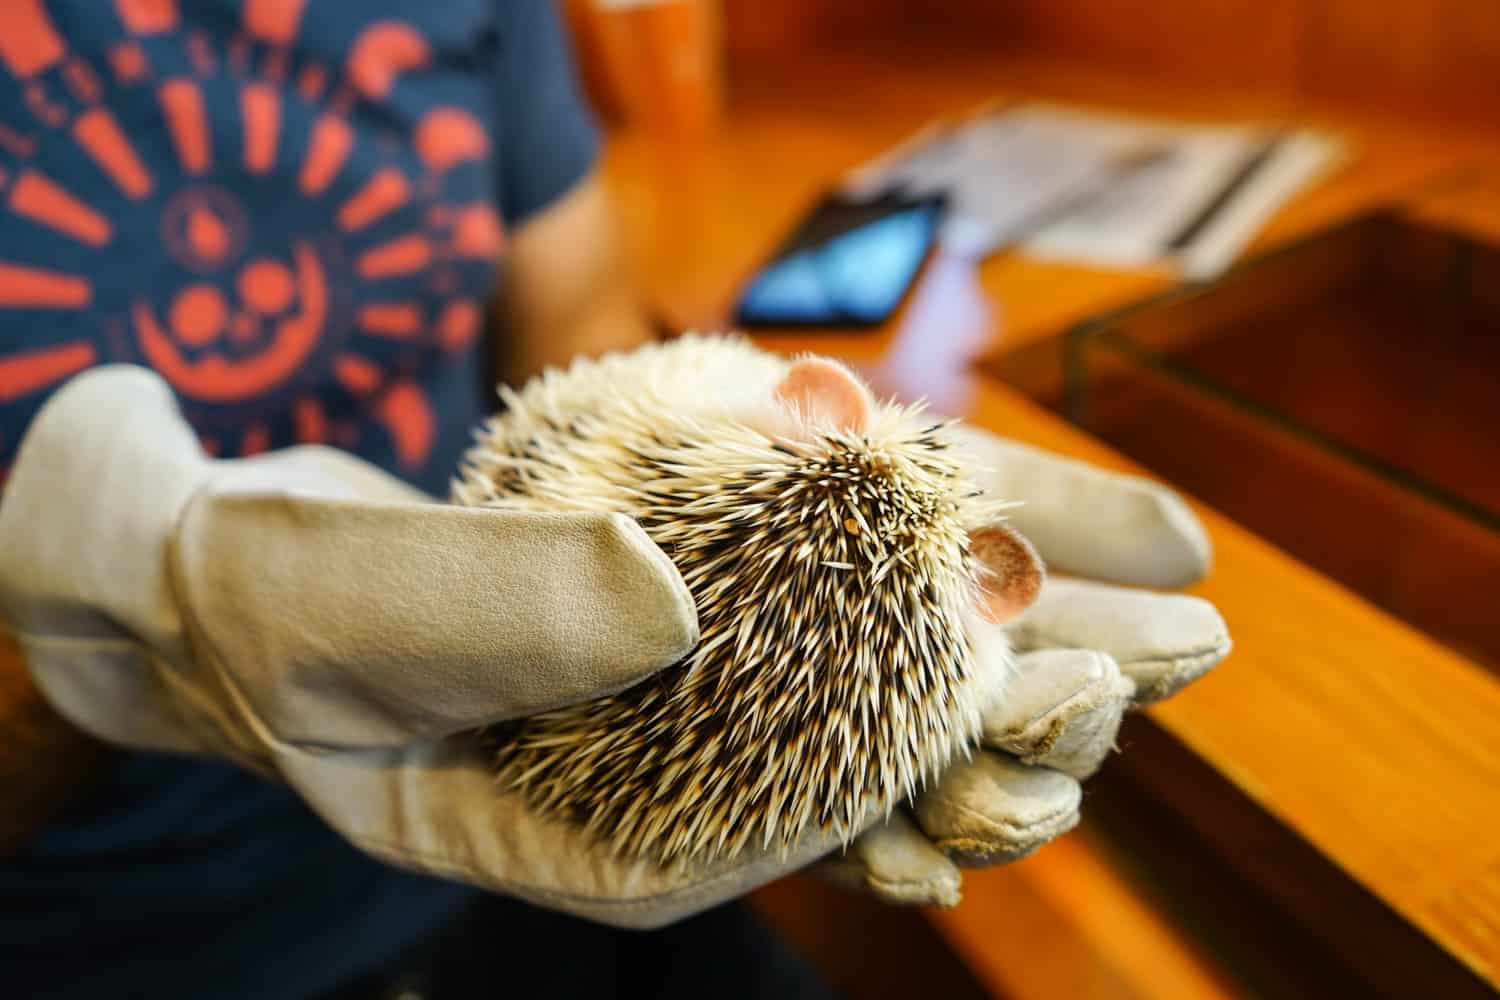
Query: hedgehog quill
x=837, y=556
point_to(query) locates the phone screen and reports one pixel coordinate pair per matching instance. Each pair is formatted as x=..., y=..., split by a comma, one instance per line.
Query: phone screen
x=848, y=264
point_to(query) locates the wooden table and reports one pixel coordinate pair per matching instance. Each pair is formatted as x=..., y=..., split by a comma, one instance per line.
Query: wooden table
x=1374, y=749
x=701, y=214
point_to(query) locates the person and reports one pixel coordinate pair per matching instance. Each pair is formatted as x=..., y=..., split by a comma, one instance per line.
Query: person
x=245, y=266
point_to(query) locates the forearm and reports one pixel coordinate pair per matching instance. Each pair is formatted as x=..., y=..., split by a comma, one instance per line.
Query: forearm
x=567, y=291
x=616, y=321
x=44, y=760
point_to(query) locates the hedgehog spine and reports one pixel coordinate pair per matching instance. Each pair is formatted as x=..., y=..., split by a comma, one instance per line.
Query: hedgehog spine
x=833, y=581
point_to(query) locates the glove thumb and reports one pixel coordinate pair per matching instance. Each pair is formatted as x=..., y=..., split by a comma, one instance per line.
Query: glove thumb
x=353, y=623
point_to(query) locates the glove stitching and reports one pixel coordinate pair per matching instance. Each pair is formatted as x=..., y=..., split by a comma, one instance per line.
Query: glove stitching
x=48, y=640
x=685, y=893
x=1083, y=700
x=444, y=867
x=1004, y=827
x=975, y=848
x=1175, y=672
x=206, y=728
x=1219, y=648
x=932, y=891
x=199, y=641
x=1070, y=763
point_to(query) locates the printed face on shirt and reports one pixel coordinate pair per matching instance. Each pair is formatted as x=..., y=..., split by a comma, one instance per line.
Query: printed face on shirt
x=284, y=207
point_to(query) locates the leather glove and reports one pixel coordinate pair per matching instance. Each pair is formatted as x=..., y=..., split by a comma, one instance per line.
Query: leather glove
x=313, y=618
x=1087, y=652
x=317, y=620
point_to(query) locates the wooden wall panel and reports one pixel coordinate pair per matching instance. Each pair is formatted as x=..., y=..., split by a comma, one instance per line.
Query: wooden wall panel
x=1238, y=43
x=1439, y=56
x=768, y=27
x=1373, y=51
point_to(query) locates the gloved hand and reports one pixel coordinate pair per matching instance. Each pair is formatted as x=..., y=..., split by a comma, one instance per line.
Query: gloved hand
x=313, y=618
x=1088, y=651
x=317, y=620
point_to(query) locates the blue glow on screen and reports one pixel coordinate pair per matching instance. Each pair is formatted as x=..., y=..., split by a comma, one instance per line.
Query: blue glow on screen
x=857, y=276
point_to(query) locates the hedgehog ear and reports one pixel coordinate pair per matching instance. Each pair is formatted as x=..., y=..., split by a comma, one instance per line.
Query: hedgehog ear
x=1011, y=572
x=824, y=392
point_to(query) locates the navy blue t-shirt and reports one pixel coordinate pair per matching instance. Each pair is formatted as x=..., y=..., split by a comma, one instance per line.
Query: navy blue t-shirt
x=292, y=210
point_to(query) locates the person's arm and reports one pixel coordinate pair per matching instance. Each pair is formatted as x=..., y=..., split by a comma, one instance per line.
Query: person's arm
x=44, y=760
x=566, y=288
x=566, y=293
x=350, y=652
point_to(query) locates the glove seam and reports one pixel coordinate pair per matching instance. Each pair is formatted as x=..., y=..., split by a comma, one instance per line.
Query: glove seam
x=1005, y=827
x=1080, y=702
x=976, y=846
x=634, y=904
x=1033, y=639
x=447, y=868
x=899, y=884
x=1178, y=672
x=1075, y=764
x=199, y=711
x=198, y=641
x=1188, y=656
x=935, y=891
x=27, y=637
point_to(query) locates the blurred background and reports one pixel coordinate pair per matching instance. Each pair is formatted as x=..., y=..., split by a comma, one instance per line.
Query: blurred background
x=1251, y=247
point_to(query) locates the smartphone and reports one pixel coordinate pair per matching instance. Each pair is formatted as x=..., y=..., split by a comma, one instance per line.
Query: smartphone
x=848, y=263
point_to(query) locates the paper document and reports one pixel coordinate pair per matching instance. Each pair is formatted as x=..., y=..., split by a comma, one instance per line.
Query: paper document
x=1102, y=189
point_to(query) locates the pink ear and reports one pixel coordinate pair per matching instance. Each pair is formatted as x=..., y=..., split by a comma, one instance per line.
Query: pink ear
x=825, y=392
x=1014, y=577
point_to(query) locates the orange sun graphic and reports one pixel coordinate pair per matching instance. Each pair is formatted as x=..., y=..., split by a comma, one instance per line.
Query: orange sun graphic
x=253, y=238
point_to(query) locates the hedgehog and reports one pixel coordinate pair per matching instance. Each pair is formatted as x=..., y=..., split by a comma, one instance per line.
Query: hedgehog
x=838, y=558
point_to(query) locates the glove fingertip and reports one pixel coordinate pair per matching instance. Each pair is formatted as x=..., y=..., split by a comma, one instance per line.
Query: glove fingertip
x=1193, y=557
x=656, y=587
x=1161, y=680
x=992, y=809
x=896, y=862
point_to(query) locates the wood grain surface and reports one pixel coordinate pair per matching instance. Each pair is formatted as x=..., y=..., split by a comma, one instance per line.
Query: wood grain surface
x=1362, y=738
